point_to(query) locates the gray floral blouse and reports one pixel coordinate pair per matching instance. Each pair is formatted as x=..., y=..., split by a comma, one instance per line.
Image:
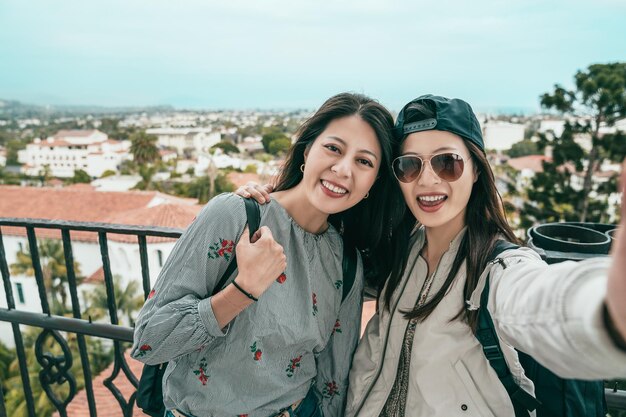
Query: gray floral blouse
x=298, y=335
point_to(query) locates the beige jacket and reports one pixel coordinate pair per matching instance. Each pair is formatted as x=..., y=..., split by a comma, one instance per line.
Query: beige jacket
x=552, y=312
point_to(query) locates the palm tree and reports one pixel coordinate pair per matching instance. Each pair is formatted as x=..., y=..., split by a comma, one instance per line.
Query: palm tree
x=128, y=300
x=143, y=147
x=52, y=260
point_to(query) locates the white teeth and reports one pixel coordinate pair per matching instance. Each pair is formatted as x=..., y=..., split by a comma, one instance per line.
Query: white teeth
x=432, y=197
x=334, y=188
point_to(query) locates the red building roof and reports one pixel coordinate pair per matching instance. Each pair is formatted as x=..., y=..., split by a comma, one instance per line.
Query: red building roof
x=144, y=208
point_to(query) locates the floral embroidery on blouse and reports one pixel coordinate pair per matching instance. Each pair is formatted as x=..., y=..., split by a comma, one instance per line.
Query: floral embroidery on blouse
x=314, y=304
x=152, y=293
x=295, y=363
x=281, y=278
x=337, y=327
x=222, y=249
x=143, y=350
x=201, y=372
x=338, y=283
x=330, y=389
x=257, y=352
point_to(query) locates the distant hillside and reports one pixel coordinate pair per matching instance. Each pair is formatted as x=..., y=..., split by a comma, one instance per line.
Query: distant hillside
x=15, y=109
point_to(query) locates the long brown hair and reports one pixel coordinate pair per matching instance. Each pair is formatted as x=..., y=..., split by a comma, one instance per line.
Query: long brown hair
x=486, y=223
x=368, y=224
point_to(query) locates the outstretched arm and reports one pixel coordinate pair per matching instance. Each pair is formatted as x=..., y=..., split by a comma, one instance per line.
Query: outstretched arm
x=616, y=287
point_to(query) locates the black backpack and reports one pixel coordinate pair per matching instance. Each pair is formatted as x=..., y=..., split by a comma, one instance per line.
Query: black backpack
x=150, y=389
x=555, y=396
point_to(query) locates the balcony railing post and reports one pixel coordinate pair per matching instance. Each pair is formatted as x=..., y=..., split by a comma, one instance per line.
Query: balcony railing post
x=17, y=334
x=82, y=346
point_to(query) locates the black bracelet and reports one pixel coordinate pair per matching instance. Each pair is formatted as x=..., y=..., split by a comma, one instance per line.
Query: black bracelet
x=244, y=292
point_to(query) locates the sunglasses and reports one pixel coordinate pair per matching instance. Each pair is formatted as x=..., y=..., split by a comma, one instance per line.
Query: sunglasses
x=447, y=166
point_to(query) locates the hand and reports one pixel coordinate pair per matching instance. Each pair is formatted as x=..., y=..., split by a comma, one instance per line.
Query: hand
x=259, y=261
x=616, y=291
x=253, y=190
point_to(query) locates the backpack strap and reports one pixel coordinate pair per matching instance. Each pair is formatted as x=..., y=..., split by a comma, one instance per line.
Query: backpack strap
x=253, y=214
x=486, y=334
x=348, y=266
x=149, y=389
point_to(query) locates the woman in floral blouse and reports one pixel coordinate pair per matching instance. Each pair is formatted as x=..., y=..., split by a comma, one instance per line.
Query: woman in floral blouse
x=278, y=338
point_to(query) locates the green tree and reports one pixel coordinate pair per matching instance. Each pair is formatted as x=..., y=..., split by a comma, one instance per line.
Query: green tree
x=600, y=94
x=128, y=300
x=108, y=173
x=227, y=146
x=551, y=196
x=13, y=146
x=143, y=147
x=52, y=260
x=270, y=135
x=523, y=148
x=250, y=169
x=80, y=177
x=280, y=145
x=146, y=172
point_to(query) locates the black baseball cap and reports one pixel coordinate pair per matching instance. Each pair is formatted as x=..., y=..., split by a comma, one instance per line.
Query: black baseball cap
x=451, y=115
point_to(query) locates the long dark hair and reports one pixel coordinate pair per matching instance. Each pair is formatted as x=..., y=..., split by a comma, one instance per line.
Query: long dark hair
x=368, y=224
x=485, y=220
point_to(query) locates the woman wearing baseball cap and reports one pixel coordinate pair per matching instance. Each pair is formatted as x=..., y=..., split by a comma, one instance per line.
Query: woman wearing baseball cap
x=420, y=355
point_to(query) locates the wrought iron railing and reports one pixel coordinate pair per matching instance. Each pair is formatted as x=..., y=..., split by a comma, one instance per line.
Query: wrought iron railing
x=56, y=370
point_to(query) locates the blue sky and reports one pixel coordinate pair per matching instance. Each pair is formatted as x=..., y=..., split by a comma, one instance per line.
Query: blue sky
x=296, y=53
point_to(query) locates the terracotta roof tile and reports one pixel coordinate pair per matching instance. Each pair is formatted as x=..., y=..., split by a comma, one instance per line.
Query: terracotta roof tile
x=87, y=205
x=106, y=404
x=76, y=133
x=532, y=162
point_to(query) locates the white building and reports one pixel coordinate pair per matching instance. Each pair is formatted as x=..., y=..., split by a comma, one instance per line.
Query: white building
x=116, y=183
x=3, y=156
x=500, y=135
x=69, y=150
x=181, y=139
x=85, y=204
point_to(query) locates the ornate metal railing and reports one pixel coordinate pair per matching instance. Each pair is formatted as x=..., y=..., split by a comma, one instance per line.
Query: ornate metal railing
x=56, y=370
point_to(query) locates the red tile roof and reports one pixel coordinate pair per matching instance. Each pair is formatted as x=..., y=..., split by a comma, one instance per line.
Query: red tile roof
x=106, y=404
x=532, y=162
x=96, y=277
x=146, y=208
x=75, y=133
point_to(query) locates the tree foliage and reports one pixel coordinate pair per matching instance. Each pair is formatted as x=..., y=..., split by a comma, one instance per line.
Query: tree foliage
x=227, y=146
x=144, y=148
x=274, y=134
x=599, y=98
x=53, y=268
x=80, y=177
x=523, y=148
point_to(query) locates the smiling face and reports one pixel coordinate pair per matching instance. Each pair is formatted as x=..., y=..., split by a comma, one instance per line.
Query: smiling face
x=433, y=201
x=341, y=165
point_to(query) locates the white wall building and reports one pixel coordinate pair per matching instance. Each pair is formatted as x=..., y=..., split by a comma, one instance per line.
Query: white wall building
x=69, y=150
x=500, y=135
x=196, y=139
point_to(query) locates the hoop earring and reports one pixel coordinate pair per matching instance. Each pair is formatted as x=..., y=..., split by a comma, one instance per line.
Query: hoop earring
x=302, y=168
x=366, y=195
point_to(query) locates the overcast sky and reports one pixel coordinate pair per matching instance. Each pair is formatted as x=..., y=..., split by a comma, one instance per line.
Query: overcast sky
x=296, y=53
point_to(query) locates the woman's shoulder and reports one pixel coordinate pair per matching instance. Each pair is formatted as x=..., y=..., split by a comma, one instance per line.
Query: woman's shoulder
x=225, y=207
